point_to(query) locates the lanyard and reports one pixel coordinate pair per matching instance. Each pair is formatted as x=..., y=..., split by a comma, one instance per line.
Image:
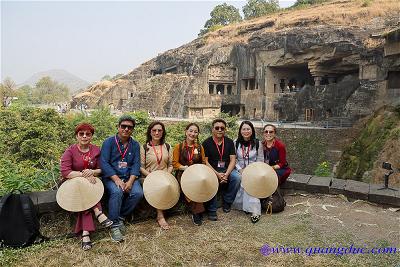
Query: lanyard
x=86, y=160
x=267, y=152
x=119, y=149
x=246, y=155
x=189, y=155
x=86, y=157
x=221, y=153
x=155, y=152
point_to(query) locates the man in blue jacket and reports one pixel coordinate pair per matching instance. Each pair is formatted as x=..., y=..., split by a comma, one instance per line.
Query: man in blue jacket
x=120, y=165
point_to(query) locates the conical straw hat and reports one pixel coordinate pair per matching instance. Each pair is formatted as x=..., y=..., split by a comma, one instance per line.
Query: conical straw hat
x=78, y=194
x=199, y=183
x=259, y=180
x=161, y=190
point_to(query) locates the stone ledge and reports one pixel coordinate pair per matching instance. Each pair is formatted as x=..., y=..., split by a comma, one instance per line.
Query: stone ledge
x=383, y=196
x=46, y=201
x=350, y=188
x=300, y=181
x=319, y=185
x=337, y=186
x=356, y=190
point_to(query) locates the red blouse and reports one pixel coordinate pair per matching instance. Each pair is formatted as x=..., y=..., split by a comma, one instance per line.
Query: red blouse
x=74, y=160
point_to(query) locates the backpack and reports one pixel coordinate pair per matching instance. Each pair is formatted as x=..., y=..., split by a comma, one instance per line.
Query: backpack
x=19, y=223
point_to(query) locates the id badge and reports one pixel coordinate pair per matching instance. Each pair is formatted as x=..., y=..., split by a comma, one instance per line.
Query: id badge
x=196, y=151
x=122, y=164
x=221, y=164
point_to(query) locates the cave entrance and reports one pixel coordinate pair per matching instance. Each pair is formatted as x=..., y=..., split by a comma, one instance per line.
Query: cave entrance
x=393, y=84
x=288, y=78
x=231, y=109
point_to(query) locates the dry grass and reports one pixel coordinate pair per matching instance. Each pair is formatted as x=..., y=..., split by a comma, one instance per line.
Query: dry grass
x=335, y=13
x=233, y=240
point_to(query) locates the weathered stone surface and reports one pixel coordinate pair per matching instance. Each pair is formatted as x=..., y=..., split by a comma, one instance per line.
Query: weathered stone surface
x=264, y=69
x=300, y=181
x=356, y=190
x=383, y=196
x=397, y=193
x=289, y=184
x=319, y=184
x=45, y=201
x=337, y=186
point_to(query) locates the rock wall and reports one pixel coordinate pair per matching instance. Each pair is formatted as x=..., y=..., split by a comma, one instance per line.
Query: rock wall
x=264, y=71
x=308, y=147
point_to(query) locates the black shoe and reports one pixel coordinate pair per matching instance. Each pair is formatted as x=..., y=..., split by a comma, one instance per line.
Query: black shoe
x=197, y=219
x=212, y=217
x=226, y=207
x=255, y=218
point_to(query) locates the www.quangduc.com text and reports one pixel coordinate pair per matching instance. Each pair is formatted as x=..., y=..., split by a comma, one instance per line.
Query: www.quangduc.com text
x=267, y=250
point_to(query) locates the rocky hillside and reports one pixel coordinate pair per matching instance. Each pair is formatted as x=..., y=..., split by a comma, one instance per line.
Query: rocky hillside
x=250, y=68
x=378, y=142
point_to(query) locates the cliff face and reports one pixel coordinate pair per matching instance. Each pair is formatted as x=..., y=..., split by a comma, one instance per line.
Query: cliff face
x=378, y=141
x=309, y=64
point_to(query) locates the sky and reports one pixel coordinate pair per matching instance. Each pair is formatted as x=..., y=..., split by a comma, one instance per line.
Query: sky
x=91, y=39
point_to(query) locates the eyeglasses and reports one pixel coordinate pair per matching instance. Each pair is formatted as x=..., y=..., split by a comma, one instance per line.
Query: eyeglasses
x=219, y=128
x=124, y=126
x=269, y=132
x=82, y=134
x=156, y=130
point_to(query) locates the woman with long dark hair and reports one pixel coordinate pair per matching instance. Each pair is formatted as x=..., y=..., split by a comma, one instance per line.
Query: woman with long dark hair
x=156, y=155
x=187, y=153
x=248, y=150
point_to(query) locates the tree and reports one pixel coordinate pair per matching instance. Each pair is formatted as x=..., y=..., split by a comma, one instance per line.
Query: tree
x=307, y=2
x=117, y=76
x=106, y=78
x=221, y=15
x=7, y=91
x=258, y=8
x=24, y=94
x=49, y=91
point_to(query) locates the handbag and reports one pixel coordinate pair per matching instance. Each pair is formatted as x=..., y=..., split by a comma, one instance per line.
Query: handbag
x=275, y=203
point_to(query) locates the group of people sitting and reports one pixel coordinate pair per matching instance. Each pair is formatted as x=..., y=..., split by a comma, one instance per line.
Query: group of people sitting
x=121, y=161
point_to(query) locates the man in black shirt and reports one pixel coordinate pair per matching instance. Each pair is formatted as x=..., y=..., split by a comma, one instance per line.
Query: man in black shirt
x=220, y=155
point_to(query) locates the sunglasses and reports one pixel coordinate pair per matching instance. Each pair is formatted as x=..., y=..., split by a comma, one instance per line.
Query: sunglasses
x=124, y=126
x=156, y=130
x=82, y=134
x=219, y=128
x=269, y=132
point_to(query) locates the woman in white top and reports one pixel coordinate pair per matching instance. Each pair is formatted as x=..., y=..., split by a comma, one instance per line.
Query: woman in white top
x=248, y=150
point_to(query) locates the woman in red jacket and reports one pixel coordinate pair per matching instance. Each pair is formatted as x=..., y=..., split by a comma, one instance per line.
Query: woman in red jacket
x=82, y=160
x=275, y=153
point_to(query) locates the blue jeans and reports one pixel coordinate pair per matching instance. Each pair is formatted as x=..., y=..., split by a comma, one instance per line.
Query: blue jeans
x=229, y=194
x=121, y=204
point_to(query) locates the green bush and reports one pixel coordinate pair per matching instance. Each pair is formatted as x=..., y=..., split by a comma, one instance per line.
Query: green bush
x=26, y=178
x=323, y=169
x=359, y=157
x=366, y=3
x=32, y=141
